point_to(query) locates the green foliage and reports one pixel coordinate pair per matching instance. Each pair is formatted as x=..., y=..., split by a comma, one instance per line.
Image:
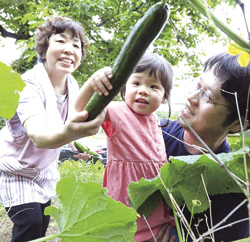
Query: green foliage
x=84, y=171
x=107, y=24
x=182, y=178
x=236, y=145
x=21, y=65
x=243, y=240
x=2, y=122
x=161, y=114
x=10, y=84
x=88, y=214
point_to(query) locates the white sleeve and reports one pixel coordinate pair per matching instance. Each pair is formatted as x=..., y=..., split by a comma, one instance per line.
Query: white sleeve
x=31, y=102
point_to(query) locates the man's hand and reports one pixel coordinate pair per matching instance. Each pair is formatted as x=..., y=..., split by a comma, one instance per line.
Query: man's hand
x=163, y=235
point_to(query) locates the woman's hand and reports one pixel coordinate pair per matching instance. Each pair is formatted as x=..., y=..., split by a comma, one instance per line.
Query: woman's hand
x=74, y=129
x=77, y=128
x=163, y=235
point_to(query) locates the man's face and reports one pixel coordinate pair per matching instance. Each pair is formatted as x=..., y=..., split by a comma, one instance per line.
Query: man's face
x=206, y=118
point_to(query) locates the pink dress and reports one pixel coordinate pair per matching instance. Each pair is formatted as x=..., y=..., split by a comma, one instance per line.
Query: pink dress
x=133, y=141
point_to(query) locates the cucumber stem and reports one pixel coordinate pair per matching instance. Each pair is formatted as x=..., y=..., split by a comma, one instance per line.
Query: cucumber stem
x=163, y=3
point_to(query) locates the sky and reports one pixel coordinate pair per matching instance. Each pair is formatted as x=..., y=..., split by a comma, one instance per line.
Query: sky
x=8, y=51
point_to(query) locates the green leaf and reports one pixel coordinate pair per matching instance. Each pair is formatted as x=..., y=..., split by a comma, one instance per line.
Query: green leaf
x=182, y=178
x=243, y=240
x=88, y=214
x=10, y=84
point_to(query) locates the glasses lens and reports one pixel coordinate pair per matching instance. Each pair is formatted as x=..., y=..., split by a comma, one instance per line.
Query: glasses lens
x=204, y=96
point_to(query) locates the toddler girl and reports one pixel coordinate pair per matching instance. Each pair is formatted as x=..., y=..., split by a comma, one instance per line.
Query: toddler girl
x=134, y=140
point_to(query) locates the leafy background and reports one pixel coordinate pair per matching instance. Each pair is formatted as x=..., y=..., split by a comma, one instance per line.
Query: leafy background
x=107, y=24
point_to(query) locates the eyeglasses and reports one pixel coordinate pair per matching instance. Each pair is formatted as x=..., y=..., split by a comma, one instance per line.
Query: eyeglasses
x=204, y=96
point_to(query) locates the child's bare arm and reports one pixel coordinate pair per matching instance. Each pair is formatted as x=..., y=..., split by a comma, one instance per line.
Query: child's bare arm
x=98, y=82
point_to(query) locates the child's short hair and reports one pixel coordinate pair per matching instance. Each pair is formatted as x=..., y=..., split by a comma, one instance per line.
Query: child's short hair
x=160, y=68
x=59, y=25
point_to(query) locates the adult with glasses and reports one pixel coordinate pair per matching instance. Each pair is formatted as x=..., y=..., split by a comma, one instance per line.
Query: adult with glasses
x=211, y=111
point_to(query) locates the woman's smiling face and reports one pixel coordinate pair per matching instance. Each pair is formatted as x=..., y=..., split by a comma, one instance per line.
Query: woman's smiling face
x=63, y=55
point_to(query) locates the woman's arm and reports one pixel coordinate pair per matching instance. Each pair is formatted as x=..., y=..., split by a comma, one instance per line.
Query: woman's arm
x=74, y=129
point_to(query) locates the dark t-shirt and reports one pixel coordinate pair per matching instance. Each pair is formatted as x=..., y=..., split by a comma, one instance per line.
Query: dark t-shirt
x=222, y=204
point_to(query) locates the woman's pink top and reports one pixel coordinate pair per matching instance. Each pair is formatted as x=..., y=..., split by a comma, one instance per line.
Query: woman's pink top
x=133, y=141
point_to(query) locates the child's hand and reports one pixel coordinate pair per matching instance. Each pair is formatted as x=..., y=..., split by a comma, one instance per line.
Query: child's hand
x=100, y=81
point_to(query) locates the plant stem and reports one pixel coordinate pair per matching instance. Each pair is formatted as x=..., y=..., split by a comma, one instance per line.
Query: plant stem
x=164, y=2
x=177, y=225
x=50, y=237
x=216, y=227
x=224, y=28
x=242, y=6
x=176, y=208
x=243, y=128
x=210, y=207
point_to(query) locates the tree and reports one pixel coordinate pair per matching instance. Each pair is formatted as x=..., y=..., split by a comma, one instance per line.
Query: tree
x=108, y=23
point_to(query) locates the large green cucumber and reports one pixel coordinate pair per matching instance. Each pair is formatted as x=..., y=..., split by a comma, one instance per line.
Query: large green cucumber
x=143, y=33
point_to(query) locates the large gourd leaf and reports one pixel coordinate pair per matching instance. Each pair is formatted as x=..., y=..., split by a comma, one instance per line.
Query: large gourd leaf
x=182, y=177
x=88, y=214
x=239, y=141
x=10, y=84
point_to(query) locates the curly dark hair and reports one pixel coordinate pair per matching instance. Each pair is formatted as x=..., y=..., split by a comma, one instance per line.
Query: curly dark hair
x=59, y=25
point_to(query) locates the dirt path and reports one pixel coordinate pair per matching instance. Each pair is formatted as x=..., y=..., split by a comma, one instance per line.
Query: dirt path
x=6, y=228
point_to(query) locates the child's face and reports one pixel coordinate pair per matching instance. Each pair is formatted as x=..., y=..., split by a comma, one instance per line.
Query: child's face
x=63, y=54
x=144, y=93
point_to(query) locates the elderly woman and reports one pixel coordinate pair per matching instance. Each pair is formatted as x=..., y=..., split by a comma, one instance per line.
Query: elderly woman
x=45, y=120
